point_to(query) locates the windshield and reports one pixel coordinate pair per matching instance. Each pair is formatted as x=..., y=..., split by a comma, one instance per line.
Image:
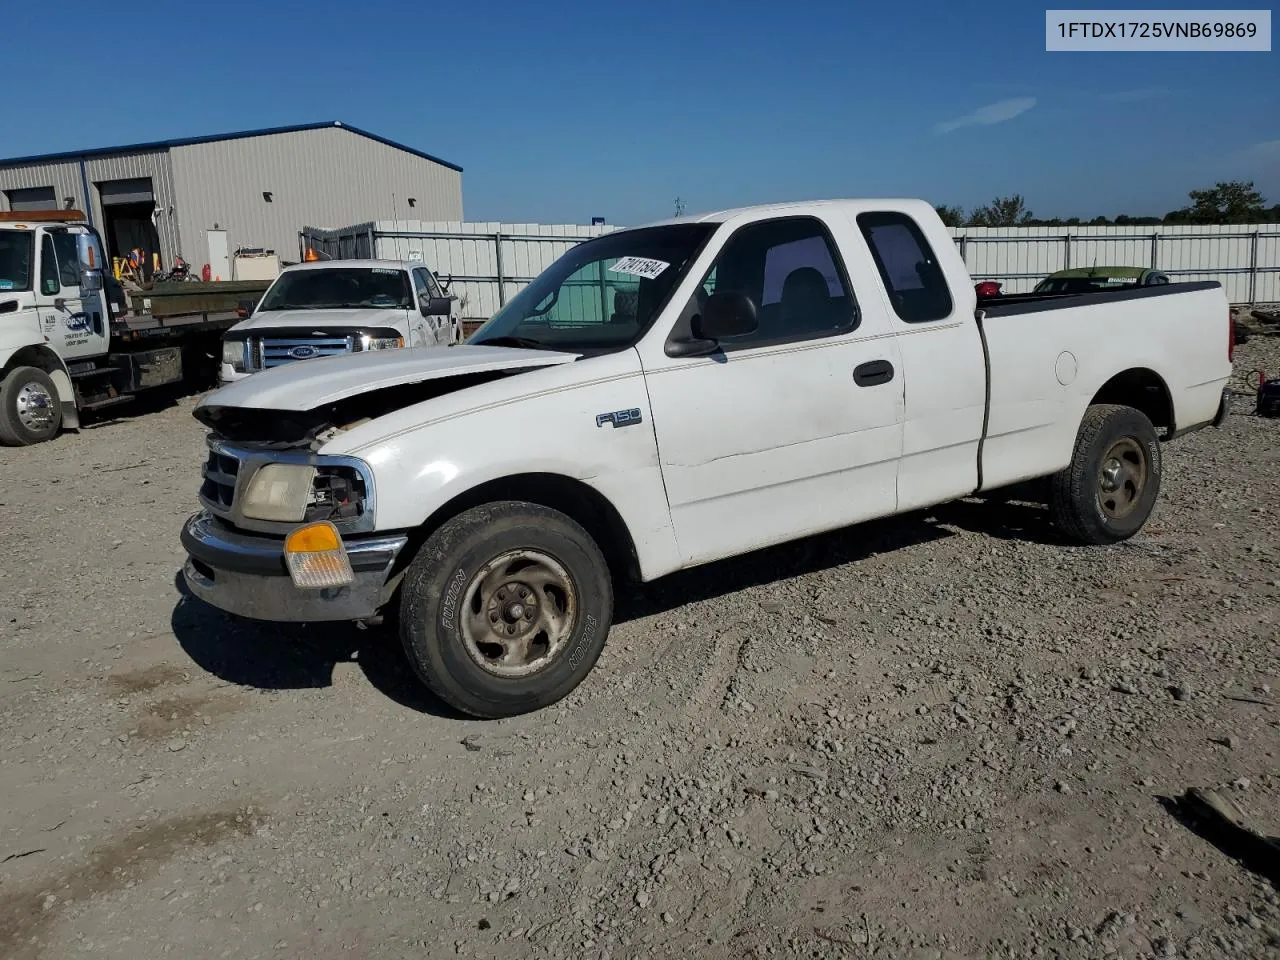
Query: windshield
x=338, y=287
x=601, y=294
x=16, y=250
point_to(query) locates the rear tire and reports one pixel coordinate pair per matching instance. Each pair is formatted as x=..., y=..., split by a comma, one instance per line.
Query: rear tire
x=1109, y=489
x=505, y=609
x=30, y=410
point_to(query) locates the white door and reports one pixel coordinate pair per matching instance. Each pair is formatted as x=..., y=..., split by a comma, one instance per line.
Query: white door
x=77, y=326
x=945, y=370
x=219, y=255
x=792, y=429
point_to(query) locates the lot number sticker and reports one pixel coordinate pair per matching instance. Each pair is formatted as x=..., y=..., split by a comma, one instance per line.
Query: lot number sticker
x=640, y=267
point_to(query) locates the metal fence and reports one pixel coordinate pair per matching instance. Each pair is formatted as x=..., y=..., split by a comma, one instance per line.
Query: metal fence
x=491, y=262
x=1245, y=259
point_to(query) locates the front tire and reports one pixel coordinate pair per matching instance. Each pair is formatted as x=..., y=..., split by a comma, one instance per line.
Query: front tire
x=1109, y=489
x=505, y=609
x=30, y=411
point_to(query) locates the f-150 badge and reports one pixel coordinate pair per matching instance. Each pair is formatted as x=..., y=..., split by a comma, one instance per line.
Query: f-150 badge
x=619, y=418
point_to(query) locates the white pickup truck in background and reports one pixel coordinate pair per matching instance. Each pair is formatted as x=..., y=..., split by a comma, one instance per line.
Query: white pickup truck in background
x=324, y=309
x=669, y=395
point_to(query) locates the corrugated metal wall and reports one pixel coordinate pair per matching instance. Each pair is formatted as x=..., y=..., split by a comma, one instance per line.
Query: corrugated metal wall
x=65, y=177
x=327, y=177
x=154, y=166
x=1244, y=259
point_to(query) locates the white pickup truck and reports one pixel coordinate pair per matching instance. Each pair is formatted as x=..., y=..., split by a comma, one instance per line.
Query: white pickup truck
x=326, y=308
x=665, y=396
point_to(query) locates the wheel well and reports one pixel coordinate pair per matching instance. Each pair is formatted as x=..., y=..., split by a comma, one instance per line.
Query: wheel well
x=42, y=358
x=1143, y=390
x=575, y=499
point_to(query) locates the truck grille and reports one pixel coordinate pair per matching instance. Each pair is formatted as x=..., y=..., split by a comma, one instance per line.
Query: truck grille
x=220, y=471
x=268, y=352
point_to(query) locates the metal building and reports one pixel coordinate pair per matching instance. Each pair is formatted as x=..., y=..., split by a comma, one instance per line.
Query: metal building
x=203, y=198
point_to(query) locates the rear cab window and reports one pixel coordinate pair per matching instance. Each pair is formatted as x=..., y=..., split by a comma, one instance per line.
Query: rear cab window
x=908, y=267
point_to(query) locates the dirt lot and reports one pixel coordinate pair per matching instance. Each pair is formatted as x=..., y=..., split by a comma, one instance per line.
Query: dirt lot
x=942, y=736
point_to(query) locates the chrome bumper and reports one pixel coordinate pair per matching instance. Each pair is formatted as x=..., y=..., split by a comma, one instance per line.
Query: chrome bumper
x=246, y=575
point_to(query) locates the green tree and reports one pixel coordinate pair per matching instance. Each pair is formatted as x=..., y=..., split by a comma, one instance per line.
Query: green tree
x=1232, y=201
x=951, y=216
x=1002, y=212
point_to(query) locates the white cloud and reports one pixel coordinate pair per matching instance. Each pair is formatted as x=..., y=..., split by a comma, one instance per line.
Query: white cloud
x=1268, y=150
x=992, y=113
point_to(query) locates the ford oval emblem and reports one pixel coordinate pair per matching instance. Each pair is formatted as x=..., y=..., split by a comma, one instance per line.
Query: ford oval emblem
x=303, y=352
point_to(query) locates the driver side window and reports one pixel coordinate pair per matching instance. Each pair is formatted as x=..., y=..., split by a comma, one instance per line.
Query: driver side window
x=49, y=278
x=420, y=285
x=792, y=272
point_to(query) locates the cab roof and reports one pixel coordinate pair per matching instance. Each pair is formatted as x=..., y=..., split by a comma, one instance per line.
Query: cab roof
x=799, y=207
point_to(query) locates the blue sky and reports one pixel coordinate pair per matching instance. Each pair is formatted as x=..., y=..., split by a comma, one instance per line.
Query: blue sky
x=560, y=111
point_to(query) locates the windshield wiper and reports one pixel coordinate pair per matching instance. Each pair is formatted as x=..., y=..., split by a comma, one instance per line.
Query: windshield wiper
x=513, y=342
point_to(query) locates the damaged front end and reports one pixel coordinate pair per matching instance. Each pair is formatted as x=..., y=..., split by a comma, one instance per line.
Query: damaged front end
x=278, y=430
x=267, y=486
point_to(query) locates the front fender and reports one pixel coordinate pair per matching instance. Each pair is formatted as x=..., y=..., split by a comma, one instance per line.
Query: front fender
x=550, y=421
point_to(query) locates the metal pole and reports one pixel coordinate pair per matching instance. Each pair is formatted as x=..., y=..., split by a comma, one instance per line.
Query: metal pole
x=1253, y=269
x=604, y=295
x=1066, y=258
x=497, y=259
x=1155, y=251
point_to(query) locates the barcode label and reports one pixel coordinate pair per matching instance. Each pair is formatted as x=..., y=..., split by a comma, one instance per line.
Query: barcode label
x=640, y=267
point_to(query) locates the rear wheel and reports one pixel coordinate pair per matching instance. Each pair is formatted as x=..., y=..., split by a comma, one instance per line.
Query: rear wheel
x=30, y=411
x=505, y=609
x=1110, y=487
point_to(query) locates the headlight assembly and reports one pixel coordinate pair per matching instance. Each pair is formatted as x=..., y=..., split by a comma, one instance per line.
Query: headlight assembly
x=279, y=491
x=381, y=343
x=233, y=353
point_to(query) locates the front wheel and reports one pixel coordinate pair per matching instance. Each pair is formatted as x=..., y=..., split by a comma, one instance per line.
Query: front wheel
x=1110, y=487
x=30, y=411
x=505, y=609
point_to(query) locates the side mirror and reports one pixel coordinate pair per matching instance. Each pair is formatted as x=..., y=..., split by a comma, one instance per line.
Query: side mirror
x=434, y=306
x=90, y=256
x=727, y=314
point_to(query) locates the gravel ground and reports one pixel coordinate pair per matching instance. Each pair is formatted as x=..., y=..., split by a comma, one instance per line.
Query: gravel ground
x=942, y=736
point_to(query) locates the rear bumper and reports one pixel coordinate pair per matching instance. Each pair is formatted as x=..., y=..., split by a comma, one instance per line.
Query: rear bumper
x=246, y=575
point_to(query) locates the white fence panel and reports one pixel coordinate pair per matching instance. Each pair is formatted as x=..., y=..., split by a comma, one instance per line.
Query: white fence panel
x=490, y=262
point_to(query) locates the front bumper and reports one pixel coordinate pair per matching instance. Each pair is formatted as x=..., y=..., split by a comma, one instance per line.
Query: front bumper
x=228, y=374
x=246, y=575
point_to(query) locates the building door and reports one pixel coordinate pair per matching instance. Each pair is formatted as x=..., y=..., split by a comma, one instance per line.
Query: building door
x=32, y=198
x=127, y=207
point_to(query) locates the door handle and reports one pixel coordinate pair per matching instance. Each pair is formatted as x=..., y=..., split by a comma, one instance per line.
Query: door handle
x=873, y=374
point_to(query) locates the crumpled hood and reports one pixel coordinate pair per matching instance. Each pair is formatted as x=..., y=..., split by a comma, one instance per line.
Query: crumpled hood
x=354, y=317
x=314, y=383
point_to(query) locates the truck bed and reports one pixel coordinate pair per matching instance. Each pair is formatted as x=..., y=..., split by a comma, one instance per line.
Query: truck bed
x=1049, y=356
x=1019, y=303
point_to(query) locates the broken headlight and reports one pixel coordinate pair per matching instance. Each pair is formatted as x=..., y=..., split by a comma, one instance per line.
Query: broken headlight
x=337, y=494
